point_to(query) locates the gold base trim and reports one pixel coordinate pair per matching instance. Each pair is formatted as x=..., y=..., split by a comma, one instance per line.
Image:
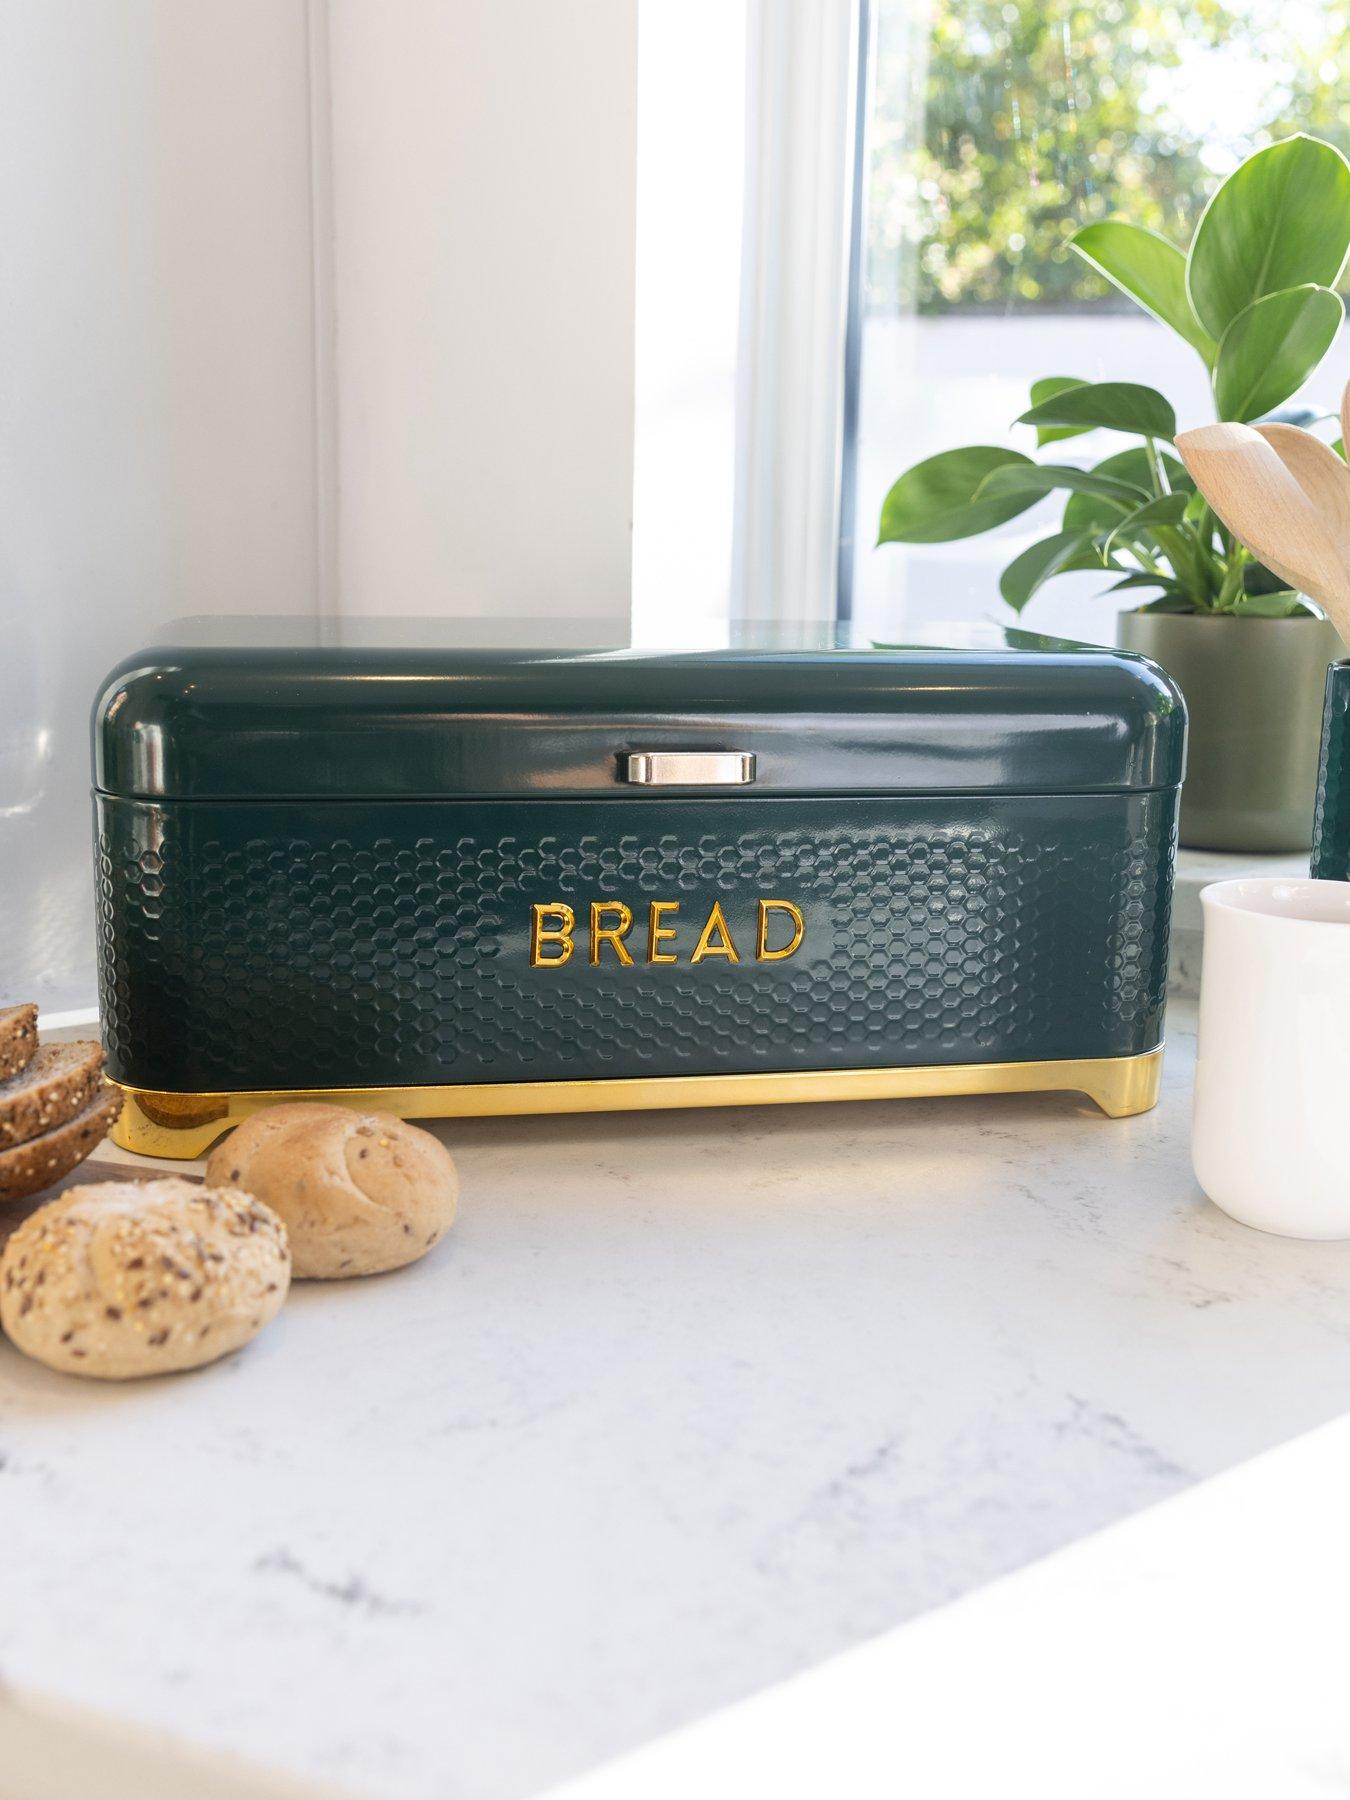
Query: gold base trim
x=181, y=1126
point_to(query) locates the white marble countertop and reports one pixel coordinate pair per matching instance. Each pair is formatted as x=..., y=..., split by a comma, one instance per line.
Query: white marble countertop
x=684, y=1406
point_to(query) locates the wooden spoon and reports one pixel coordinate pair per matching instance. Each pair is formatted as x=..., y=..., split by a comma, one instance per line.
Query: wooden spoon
x=1261, y=500
x=1325, y=479
x=1318, y=470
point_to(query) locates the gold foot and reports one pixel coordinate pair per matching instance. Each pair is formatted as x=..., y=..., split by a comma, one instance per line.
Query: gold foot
x=181, y=1126
x=1128, y=1086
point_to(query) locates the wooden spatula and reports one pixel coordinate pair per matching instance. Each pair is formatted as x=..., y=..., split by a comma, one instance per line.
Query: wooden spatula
x=1297, y=533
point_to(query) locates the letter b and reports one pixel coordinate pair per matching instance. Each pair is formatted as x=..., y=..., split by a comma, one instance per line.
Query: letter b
x=559, y=934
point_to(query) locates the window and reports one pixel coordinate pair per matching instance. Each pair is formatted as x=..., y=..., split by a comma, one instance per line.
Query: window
x=747, y=120
x=994, y=128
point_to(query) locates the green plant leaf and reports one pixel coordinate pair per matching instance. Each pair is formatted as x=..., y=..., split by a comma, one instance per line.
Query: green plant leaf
x=1272, y=347
x=934, y=501
x=1036, y=479
x=1142, y=579
x=1112, y=405
x=1177, y=541
x=1195, y=511
x=1170, y=603
x=1282, y=605
x=1150, y=270
x=1051, y=556
x=1281, y=220
x=1166, y=509
x=1046, y=389
x=1085, y=512
x=1258, y=579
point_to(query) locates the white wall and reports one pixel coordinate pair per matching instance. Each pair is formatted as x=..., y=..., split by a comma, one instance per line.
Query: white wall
x=240, y=374
x=483, y=159
x=156, y=397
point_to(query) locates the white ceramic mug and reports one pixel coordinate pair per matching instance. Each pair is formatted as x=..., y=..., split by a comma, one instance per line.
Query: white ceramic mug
x=1271, y=1134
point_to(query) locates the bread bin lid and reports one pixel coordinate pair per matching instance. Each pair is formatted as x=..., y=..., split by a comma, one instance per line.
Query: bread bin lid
x=418, y=709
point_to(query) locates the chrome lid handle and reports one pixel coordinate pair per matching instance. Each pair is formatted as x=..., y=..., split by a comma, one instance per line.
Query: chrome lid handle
x=688, y=768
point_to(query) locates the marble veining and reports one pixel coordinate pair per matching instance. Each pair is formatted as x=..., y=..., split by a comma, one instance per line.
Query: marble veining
x=684, y=1404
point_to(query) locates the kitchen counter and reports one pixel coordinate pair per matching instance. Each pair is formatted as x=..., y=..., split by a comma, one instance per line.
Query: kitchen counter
x=684, y=1406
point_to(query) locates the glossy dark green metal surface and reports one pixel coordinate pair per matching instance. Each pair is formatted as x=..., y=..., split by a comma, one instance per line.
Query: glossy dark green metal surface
x=201, y=723
x=1331, y=833
x=280, y=944
x=317, y=864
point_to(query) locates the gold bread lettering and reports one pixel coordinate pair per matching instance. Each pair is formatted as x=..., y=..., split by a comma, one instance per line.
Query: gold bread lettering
x=762, y=950
x=657, y=933
x=560, y=934
x=553, y=927
x=721, y=944
x=610, y=934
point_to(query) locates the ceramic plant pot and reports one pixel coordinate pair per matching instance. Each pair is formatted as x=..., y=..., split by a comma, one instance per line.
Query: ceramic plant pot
x=1254, y=690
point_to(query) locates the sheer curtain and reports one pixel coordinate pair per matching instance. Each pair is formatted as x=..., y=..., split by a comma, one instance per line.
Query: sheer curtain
x=790, y=420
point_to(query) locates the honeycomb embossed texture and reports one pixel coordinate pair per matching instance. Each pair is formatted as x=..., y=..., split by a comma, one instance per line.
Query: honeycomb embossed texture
x=1331, y=833
x=259, y=945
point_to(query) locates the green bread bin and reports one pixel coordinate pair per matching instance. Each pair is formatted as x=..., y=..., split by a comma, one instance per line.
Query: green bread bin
x=447, y=880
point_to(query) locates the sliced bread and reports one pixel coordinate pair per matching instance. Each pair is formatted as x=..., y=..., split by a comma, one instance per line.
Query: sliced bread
x=59, y=1082
x=28, y=1168
x=18, y=1038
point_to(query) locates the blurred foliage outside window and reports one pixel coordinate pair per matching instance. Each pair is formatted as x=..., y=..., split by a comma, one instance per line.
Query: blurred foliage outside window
x=999, y=128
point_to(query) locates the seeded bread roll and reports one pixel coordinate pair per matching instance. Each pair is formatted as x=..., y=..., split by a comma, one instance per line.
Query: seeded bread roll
x=59, y=1082
x=360, y=1192
x=28, y=1168
x=18, y=1038
x=120, y=1278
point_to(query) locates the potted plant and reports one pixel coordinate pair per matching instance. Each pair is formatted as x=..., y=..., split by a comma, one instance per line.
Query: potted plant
x=1254, y=296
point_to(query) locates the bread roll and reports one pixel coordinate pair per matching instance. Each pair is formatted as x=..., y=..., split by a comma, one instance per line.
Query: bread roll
x=360, y=1192
x=121, y=1278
